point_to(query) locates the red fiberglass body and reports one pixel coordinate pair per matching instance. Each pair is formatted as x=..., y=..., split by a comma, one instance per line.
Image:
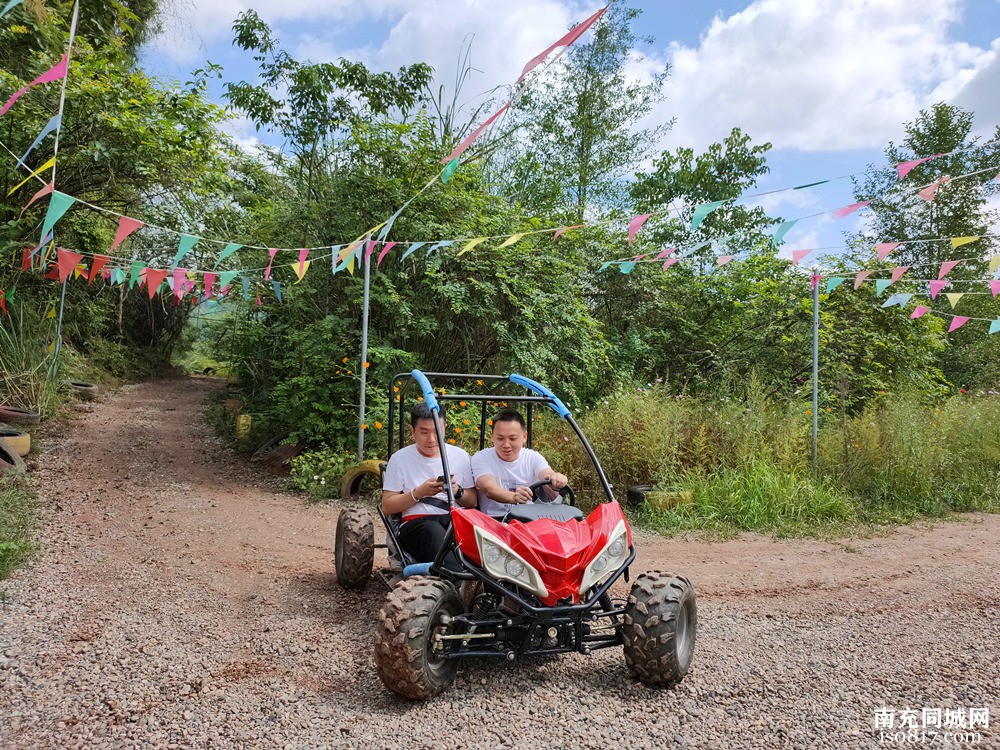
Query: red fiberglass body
x=559, y=551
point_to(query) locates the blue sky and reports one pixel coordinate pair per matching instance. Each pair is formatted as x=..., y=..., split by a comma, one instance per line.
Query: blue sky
x=827, y=82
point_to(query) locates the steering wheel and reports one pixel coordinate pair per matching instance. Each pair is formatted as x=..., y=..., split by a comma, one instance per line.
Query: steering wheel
x=543, y=497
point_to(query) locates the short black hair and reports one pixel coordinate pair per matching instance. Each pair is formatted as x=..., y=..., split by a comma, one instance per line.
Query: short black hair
x=422, y=411
x=509, y=415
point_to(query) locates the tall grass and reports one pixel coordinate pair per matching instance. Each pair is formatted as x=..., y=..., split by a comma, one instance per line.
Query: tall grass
x=26, y=336
x=743, y=461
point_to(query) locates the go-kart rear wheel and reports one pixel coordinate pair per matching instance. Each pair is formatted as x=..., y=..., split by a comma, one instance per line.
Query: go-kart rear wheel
x=661, y=621
x=354, y=547
x=405, y=657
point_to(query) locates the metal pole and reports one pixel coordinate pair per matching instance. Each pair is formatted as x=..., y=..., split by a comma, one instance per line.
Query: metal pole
x=55, y=153
x=815, y=409
x=364, y=350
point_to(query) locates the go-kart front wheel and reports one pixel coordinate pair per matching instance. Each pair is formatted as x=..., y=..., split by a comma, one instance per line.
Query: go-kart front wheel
x=354, y=547
x=661, y=621
x=406, y=659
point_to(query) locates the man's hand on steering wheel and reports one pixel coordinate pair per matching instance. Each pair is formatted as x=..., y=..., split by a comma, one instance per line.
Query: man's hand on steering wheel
x=557, y=480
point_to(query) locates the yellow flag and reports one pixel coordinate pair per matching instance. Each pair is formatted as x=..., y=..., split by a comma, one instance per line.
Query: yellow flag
x=471, y=244
x=52, y=312
x=347, y=251
x=52, y=347
x=994, y=263
x=301, y=268
x=957, y=242
x=47, y=165
x=954, y=297
x=513, y=239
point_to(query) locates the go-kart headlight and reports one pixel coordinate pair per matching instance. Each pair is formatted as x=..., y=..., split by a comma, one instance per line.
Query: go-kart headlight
x=608, y=560
x=501, y=562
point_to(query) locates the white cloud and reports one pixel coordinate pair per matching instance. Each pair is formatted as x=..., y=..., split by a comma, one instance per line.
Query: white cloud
x=820, y=75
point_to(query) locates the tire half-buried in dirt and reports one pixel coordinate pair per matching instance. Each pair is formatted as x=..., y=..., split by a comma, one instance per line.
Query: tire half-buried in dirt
x=661, y=621
x=405, y=656
x=354, y=547
x=16, y=415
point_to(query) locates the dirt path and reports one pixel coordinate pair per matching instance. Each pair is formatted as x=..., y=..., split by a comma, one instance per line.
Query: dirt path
x=184, y=600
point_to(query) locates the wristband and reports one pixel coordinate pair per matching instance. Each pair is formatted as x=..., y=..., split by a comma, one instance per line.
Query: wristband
x=412, y=496
x=461, y=491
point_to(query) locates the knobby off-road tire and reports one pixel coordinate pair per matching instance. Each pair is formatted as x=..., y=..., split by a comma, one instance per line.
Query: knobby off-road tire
x=661, y=621
x=404, y=653
x=354, y=547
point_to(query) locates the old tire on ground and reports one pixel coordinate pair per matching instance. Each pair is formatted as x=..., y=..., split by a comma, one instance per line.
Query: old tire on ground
x=9, y=459
x=17, y=441
x=636, y=494
x=404, y=653
x=86, y=391
x=350, y=485
x=354, y=547
x=16, y=415
x=661, y=621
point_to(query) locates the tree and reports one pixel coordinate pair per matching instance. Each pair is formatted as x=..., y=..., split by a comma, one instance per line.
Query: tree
x=577, y=126
x=959, y=209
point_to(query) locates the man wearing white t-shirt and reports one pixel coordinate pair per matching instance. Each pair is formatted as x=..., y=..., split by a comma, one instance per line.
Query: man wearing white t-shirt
x=411, y=486
x=504, y=472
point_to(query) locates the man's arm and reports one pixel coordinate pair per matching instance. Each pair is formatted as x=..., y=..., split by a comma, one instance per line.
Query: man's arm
x=488, y=484
x=396, y=502
x=558, y=481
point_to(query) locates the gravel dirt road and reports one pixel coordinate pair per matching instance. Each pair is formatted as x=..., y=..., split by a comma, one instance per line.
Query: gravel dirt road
x=182, y=599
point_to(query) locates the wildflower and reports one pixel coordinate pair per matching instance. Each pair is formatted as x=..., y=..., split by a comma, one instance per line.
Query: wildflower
x=828, y=410
x=809, y=411
x=451, y=440
x=344, y=360
x=315, y=477
x=458, y=430
x=348, y=372
x=565, y=439
x=378, y=425
x=462, y=403
x=323, y=480
x=479, y=382
x=395, y=389
x=489, y=422
x=536, y=443
x=364, y=427
x=367, y=365
x=465, y=421
x=857, y=445
x=338, y=372
x=605, y=403
x=420, y=398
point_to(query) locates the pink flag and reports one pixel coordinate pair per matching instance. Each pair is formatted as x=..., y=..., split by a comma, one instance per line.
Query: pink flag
x=385, y=251
x=370, y=248
x=936, y=287
x=52, y=74
x=209, y=283
x=946, y=267
x=66, y=261
x=99, y=262
x=180, y=276
x=919, y=311
x=44, y=191
x=798, y=255
x=840, y=213
x=860, y=278
x=884, y=248
x=126, y=226
x=929, y=192
x=636, y=224
x=267, y=271
x=669, y=262
x=904, y=168
x=106, y=274
x=723, y=259
x=666, y=252
x=303, y=254
x=475, y=134
x=897, y=273
x=957, y=322
x=815, y=281
x=995, y=287
x=154, y=277
x=575, y=33
x=562, y=230
x=189, y=285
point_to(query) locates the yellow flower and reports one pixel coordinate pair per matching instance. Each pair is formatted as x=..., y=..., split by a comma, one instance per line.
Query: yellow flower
x=856, y=445
x=344, y=360
x=479, y=382
x=458, y=430
x=348, y=372
x=364, y=427
x=451, y=440
x=828, y=410
x=809, y=411
x=378, y=425
x=395, y=389
x=489, y=422
x=338, y=372
x=367, y=365
x=462, y=403
x=465, y=421
x=420, y=398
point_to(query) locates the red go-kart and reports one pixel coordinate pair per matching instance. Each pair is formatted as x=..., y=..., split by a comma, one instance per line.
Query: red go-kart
x=537, y=581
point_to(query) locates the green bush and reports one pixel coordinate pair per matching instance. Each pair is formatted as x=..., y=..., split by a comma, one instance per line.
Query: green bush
x=319, y=472
x=17, y=521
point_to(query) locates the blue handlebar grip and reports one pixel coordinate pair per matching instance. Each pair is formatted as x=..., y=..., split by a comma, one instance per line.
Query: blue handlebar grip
x=557, y=406
x=425, y=386
x=417, y=569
